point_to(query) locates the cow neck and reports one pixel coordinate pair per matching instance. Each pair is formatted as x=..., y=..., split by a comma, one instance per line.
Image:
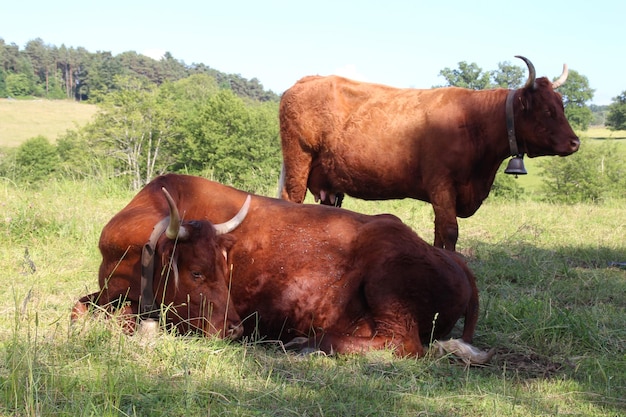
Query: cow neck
x=147, y=306
x=510, y=123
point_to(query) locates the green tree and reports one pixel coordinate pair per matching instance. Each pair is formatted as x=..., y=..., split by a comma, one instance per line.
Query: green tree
x=139, y=65
x=3, y=86
x=467, y=76
x=35, y=160
x=80, y=158
x=230, y=140
x=170, y=69
x=42, y=66
x=54, y=86
x=576, y=93
x=191, y=91
x=18, y=85
x=98, y=76
x=10, y=57
x=505, y=186
x=599, y=114
x=132, y=129
x=616, y=116
x=508, y=76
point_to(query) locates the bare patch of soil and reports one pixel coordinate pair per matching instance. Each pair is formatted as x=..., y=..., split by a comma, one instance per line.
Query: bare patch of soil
x=527, y=365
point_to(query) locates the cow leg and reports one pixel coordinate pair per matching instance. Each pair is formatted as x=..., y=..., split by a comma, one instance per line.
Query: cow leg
x=127, y=310
x=81, y=308
x=353, y=344
x=471, y=312
x=331, y=343
x=297, y=159
x=380, y=329
x=446, y=225
x=295, y=177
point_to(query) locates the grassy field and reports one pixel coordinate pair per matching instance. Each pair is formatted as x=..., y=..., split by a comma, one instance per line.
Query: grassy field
x=601, y=132
x=23, y=119
x=552, y=305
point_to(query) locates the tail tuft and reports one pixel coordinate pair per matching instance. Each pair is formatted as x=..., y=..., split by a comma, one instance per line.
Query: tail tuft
x=281, y=181
x=463, y=350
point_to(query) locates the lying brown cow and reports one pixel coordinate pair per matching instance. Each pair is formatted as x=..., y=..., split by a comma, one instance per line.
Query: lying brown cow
x=331, y=279
x=442, y=145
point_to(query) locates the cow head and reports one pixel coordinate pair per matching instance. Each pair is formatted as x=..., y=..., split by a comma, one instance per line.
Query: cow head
x=193, y=281
x=540, y=122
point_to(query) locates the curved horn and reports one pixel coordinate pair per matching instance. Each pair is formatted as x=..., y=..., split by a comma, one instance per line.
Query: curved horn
x=556, y=84
x=174, y=230
x=530, y=83
x=231, y=224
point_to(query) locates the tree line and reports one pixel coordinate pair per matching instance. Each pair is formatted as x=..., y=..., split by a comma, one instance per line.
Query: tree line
x=48, y=71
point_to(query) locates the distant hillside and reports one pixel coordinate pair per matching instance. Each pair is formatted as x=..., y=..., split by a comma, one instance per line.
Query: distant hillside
x=23, y=119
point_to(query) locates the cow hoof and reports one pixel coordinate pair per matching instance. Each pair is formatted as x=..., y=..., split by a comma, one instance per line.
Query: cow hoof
x=308, y=351
x=297, y=343
x=147, y=330
x=78, y=311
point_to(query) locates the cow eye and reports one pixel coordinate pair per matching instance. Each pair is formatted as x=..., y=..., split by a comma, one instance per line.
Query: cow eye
x=196, y=275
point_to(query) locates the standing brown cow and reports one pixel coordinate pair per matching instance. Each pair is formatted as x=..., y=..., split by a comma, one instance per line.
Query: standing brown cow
x=442, y=145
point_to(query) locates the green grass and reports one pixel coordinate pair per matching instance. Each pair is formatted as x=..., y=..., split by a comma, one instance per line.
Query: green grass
x=23, y=119
x=550, y=304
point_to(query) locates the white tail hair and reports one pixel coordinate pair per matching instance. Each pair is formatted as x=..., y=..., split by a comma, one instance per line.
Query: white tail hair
x=467, y=353
x=281, y=181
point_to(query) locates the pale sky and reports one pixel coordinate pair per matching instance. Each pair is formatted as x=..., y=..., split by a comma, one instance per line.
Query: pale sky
x=401, y=43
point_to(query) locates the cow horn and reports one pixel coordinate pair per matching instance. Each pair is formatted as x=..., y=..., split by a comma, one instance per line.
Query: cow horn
x=556, y=84
x=530, y=83
x=174, y=230
x=231, y=224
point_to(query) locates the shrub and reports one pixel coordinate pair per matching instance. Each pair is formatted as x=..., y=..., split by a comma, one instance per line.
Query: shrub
x=505, y=186
x=594, y=173
x=18, y=85
x=35, y=160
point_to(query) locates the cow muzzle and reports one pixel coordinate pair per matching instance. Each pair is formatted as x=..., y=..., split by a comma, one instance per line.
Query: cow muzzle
x=222, y=326
x=568, y=146
x=233, y=331
x=574, y=144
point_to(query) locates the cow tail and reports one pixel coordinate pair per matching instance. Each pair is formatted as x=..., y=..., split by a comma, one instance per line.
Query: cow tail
x=471, y=312
x=281, y=181
x=462, y=348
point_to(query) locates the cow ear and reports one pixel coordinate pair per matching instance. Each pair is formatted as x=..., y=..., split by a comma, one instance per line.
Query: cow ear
x=170, y=259
x=225, y=243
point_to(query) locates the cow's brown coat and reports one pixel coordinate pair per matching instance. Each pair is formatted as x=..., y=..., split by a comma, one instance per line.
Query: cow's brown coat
x=346, y=282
